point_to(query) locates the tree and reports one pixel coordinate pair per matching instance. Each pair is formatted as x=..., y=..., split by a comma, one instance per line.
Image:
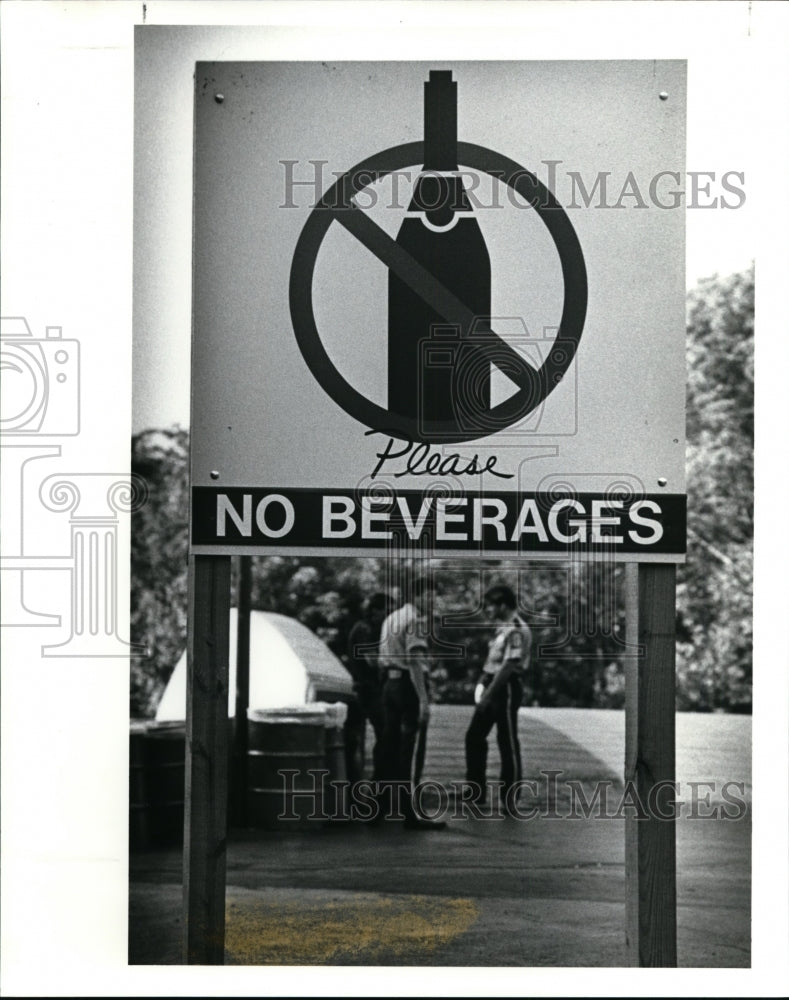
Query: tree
x=715, y=585
x=159, y=562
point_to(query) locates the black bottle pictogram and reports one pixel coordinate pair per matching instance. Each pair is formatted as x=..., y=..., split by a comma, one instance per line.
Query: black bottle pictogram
x=435, y=371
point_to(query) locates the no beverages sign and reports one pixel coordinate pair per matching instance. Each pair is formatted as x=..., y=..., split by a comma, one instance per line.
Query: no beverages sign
x=439, y=306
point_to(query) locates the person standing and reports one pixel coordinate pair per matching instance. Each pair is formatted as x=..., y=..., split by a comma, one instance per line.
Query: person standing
x=499, y=692
x=421, y=737
x=363, y=652
x=404, y=660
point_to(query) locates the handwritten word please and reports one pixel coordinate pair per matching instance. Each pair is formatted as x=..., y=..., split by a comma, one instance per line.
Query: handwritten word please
x=420, y=460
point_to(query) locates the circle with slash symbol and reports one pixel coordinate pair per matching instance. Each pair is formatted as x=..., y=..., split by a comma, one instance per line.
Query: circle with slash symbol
x=534, y=382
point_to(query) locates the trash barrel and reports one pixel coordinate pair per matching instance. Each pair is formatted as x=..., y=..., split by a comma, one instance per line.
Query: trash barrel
x=290, y=740
x=334, y=797
x=165, y=755
x=139, y=837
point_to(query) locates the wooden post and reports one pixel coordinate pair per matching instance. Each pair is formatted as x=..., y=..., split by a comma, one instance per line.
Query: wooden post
x=242, y=691
x=205, y=820
x=650, y=841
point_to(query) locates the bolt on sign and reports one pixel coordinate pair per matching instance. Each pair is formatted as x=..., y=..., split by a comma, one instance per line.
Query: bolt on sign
x=439, y=306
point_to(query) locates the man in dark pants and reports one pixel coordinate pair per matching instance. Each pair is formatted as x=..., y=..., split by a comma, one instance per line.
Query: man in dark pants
x=363, y=650
x=404, y=660
x=498, y=694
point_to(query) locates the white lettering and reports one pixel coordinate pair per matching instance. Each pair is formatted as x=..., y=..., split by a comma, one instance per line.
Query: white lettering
x=414, y=530
x=260, y=515
x=224, y=507
x=443, y=518
x=580, y=526
x=645, y=522
x=332, y=514
x=529, y=510
x=494, y=520
x=368, y=531
x=598, y=521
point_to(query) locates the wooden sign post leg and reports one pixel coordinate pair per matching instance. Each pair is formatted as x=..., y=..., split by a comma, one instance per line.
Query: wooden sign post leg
x=650, y=839
x=205, y=820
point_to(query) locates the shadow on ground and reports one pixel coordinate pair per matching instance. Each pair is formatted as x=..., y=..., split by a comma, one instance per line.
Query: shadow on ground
x=544, y=891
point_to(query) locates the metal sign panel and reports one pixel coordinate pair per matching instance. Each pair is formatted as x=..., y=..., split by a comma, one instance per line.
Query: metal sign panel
x=439, y=305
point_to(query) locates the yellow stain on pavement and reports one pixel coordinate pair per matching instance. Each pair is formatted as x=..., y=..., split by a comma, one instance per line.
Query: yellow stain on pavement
x=348, y=928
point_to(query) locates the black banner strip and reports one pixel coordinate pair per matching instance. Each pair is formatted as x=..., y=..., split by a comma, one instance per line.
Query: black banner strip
x=618, y=521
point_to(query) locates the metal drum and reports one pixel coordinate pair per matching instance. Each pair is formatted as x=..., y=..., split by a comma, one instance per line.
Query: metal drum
x=293, y=741
x=165, y=753
x=334, y=796
x=139, y=837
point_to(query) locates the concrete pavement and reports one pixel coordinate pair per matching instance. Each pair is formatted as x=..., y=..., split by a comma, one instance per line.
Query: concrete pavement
x=484, y=892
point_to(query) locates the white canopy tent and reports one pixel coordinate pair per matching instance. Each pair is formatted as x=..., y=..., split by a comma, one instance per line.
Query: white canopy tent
x=288, y=666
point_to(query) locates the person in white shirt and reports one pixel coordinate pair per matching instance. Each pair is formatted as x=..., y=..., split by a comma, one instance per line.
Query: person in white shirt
x=498, y=693
x=403, y=658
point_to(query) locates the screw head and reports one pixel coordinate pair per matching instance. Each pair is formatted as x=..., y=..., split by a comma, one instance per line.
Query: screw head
x=663, y=95
x=219, y=98
x=214, y=474
x=662, y=481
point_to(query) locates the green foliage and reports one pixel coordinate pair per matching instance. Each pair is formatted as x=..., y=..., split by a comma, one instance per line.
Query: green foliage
x=714, y=662
x=159, y=562
x=326, y=595
x=575, y=610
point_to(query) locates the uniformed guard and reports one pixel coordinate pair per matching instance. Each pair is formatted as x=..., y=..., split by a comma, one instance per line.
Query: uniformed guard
x=362, y=661
x=404, y=661
x=499, y=692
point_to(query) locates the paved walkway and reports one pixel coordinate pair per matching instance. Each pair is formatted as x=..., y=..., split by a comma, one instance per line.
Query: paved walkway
x=496, y=892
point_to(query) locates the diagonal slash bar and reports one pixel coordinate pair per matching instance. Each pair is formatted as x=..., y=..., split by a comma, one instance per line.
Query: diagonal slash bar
x=426, y=285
